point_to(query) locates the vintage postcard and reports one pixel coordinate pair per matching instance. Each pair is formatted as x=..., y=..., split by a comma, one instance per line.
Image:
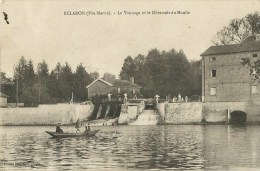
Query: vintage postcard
x=129, y=85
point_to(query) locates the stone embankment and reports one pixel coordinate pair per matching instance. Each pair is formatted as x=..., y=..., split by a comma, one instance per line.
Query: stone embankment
x=183, y=113
x=164, y=113
x=192, y=113
x=134, y=114
x=45, y=114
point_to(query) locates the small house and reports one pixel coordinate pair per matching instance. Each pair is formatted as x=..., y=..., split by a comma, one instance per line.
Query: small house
x=114, y=86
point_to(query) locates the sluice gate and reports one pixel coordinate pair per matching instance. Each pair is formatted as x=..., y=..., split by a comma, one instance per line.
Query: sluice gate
x=106, y=110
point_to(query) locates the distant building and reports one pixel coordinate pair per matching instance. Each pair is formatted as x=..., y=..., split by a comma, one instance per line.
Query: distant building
x=103, y=87
x=224, y=78
x=3, y=99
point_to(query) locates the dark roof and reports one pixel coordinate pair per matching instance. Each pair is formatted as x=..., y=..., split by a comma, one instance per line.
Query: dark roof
x=116, y=83
x=3, y=95
x=249, y=44
x=122, y=83
x=249, y=39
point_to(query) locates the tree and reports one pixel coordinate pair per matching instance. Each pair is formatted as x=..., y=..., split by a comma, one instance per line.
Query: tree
x=155, y=66
x=66, y=82
x=20, y=69
x=238, y=29
x=61, y=83
x=42, y=69
x=197, y=76
x=4, y=79
x=94, y=75
x=7, y=86
x=25, y=78
x=53, y=86
x=254, y=67
x=129, y=69
x=30, y=89
x=43, y=80
x=163, y=73
x=42, y=87
x=109, y=76
x=141, y=74
x=81, y=79
x=178, y=74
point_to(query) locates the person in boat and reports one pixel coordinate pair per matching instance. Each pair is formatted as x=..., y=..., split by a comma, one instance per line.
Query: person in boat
x=58, y=129
x=77, y=126
x=87, y=129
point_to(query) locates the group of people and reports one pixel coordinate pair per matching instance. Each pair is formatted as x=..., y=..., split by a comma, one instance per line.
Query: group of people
x=77, y=126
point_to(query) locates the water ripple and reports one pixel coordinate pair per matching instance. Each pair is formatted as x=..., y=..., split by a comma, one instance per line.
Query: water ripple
x=133, y=147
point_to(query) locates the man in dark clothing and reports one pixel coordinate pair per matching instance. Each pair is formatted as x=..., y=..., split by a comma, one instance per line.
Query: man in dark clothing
x=77, y=126
x=58, y=129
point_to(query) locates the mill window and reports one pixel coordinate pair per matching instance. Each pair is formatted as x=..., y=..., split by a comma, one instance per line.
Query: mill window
x=255, y=55
x=213, y=91
x=254, y=89
x=213, y=73
x=213, y=58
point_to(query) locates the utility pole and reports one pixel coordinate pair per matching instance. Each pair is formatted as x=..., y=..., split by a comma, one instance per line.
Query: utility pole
x=39, y=93
x=17, y=92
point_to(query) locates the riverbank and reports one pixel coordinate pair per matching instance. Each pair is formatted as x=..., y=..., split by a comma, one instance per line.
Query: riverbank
x=45, y=114
x=189, y=113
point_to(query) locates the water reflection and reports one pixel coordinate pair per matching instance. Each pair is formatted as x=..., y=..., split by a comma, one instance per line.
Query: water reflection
x=133, y=147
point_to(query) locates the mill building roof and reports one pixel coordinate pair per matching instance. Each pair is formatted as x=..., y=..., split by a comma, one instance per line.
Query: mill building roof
x=116, y=83
x=249, y=44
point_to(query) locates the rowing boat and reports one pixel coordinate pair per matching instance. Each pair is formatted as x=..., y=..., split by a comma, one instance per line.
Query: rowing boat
x=67, y=135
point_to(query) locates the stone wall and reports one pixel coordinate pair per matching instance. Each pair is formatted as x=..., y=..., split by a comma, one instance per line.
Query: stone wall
x=168, y=113
x=3, y=101
x=45, y=114
x=183, y=113
x=218, y=111
x=189, y=113
x=212, y=112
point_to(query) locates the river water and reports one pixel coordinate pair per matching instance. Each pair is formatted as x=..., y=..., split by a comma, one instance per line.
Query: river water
x=181, y=147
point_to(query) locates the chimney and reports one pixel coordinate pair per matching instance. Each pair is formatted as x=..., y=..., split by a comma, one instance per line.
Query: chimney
x=132, y=79
x=257, y=37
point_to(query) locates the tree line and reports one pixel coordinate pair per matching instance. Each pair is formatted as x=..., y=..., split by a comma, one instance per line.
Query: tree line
x=45, y=87
x=164, y=73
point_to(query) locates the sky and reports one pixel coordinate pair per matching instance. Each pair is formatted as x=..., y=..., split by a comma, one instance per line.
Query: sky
x=39, y=30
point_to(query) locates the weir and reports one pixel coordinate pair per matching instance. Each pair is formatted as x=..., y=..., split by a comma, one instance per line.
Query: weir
x=118, y=111
x=103, y=111
x=115, y=110
x=94, y=112
x=99, y=111
x=106, y=110
x=111, y=111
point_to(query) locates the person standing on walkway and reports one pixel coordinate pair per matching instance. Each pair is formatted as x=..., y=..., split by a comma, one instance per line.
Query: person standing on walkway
x=77, y=126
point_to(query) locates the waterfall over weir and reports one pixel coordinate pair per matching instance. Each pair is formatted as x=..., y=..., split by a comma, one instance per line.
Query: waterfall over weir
x=99, y=111
x=106, y=110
